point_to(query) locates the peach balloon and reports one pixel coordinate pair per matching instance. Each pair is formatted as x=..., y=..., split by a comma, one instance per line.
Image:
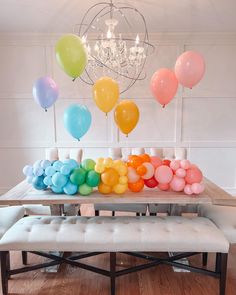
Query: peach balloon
x=163, y=186
x=188, y=190
x=197, y=188
x=189, y=68
x=150, y=170
x=193, y=175
x=132, y=175
x=156, y=161
x=185, y=164
x=177, y=184
x=164, y=85
x=174, y=165
x=180, y=172
x=163, y=174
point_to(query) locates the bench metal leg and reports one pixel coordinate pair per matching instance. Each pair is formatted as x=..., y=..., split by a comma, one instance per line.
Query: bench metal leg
x=96, y=212
x=5, y=267
x=24, y=257
x=113, y=272
x=204, y=258
x=223, y=272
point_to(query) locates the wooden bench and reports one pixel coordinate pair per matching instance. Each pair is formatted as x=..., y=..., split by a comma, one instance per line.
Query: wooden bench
x=129, y=235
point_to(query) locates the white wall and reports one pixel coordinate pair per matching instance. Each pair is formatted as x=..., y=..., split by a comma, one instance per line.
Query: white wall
x=202, y=119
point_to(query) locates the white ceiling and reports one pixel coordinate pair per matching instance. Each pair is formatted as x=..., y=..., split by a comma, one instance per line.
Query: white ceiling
x=162, y=15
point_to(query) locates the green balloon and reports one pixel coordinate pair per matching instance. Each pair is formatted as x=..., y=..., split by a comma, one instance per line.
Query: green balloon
x=85, y=190
x=78, y=176
x=71, y=55
x=93, y=178
x=88, y=164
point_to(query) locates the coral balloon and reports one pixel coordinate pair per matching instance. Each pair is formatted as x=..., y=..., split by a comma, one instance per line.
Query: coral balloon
x=106, y=94
x=163, y=174
x=163, y=186
x=188, y=189
x=180, y=172
x=189, y=68
x=110, y=177
x=150, y=171
x=164, y=86
x=126, y=116
x=174, y=165
x=132, y=175
x=135, y=161
x=151, y=182
x=156, y=161
x=177, y=184
x=185, y=164
x=193, y=175
x=197, y=188
x=141, y=170
x=136, y=186
x=104, y=189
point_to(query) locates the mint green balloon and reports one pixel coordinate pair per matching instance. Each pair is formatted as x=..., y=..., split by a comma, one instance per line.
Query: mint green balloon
x=71, y=55
x=88, y=164
x=85, y=190
x=78, y=176
x=93, y=178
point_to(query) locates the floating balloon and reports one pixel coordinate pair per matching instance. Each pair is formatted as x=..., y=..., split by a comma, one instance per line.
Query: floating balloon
x=71, y=55
x=77, y=120
x=164, y=86
x=106, y=94
x=126, y=116
x=45, y=92
x=189, y=68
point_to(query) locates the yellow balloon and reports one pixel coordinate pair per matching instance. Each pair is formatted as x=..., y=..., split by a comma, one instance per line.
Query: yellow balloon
x=106, y=94
x=108, y=162
x=123, y=180
x=99, y=168
x=126, y=116
x=122, y=170
x=104, y=189
x=100, y=160
x=120, y=188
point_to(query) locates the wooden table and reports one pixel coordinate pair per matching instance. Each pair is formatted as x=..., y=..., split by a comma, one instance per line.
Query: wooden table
x=23, y=194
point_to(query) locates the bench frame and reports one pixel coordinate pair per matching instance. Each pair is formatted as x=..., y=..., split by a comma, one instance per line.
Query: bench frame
x=112, y=273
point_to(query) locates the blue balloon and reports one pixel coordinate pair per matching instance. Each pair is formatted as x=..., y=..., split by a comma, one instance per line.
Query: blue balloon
x=77, y=120
x=38, y=171
x=57, y=165
x=38, y=183
x=57, y=190
x=37, y=164
x=45, y=92
x=28, y=170
x=70, y=188
x=29, y=179
x=66, y=169
x=49, y=171
x=48, y=180
x=59, y=180
x=72, y=163
x=45, y=164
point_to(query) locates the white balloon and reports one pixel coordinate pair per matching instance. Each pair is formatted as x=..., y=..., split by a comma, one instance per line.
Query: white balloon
x=132, y=175
x=150, y=170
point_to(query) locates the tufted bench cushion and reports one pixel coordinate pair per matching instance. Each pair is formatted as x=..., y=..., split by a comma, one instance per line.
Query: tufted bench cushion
x=114, y=234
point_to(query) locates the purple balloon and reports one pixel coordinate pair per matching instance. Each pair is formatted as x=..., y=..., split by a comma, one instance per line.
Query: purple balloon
x=45, y=92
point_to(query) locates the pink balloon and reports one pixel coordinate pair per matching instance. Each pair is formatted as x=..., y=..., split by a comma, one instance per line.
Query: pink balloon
x=163, y=186
x=197, y=188
x=189, y=68
x=174, y=164
x=156, y=161
x=188, y=190
x=163, y=174
x=177, y=184
x=185, y=164
x=132, y=175
x=150, y=170
x=180, y=172
x=164, y=85
x=193, y=175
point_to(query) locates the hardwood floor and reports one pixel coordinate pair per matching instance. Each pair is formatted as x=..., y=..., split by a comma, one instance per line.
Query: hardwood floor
x=161, y=280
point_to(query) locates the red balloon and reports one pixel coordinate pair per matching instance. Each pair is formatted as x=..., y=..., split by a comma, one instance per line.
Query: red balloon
x=163, y=186
x=166, y=162
x=151, y=182
x=193, y=175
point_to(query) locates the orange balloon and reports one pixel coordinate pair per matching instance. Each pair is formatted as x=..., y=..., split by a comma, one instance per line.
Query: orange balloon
x=137, y=186
x=104, y=189
x=135, y=161
x=145, y=157
x=110, y=177
x=141, y=170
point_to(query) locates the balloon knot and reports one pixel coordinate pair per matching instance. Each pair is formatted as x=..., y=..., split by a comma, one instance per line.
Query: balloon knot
x=73, y=80
x=78, y=140
x=46, y=110
x=106, y=115
x=163, y=106
x=127, y=135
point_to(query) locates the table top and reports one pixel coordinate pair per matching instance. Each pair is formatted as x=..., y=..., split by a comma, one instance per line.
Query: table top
x=24, y=193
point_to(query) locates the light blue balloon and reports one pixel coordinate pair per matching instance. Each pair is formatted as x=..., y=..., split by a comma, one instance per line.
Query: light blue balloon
x=38, y=171
x=37, y=164
x=28, y=170
x=72, y=163
x=45, y=164
x=57, y=165
x=50, y=171
x=66, y=169
x=57, y=190
x=77, y=120
x=29, y=179
x=45, y=92
x=47, y=180
x=70, y=188
x=59, y=179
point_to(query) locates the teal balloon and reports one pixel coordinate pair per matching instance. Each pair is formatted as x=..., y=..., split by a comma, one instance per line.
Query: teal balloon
x=85, y=190
x=88, y=164
x=65, y=169
x=47, y=180
x=78, y=176
x=93, y=178
x=70, y=188
x=38, y=183
x=77, y=120
x=57, y=190
x=72, y=163
x=59, y=180
x=57, y=165
x=49, y=171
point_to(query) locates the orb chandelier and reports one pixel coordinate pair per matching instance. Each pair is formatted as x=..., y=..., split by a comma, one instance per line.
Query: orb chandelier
x=114, y=49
